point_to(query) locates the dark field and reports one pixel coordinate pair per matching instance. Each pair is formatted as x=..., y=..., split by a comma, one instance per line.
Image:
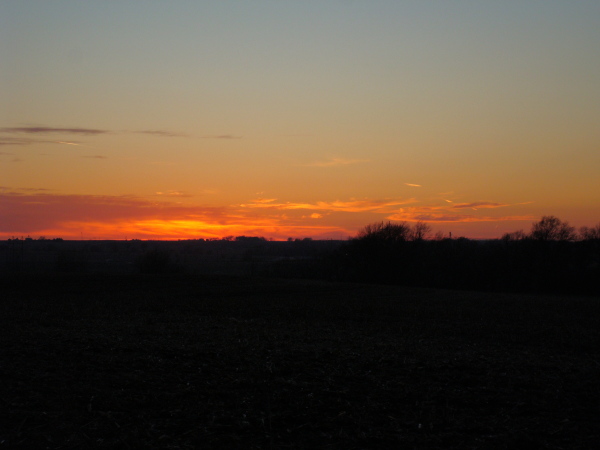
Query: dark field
x=181, y=362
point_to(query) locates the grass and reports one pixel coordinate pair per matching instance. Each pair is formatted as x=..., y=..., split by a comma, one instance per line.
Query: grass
x=180, y=362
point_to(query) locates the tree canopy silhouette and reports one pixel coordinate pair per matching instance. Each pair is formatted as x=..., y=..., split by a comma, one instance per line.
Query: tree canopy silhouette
x=551, y=228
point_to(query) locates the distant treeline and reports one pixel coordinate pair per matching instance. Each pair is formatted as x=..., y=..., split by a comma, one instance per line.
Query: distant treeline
x=551, y=258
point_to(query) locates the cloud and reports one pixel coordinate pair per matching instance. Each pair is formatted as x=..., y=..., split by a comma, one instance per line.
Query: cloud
x=475, y=205
x=337, y=162
x=75, y=130
x=33, y=189
x=335, y=206
x=33, y=210
x=413, y=185
x=38, y=130
x=37, y=211
x=222, y=136
x=95, y=157
x=29, y=212
x=446, y=214
x=161, y=133
x=264, y=200
x=441, y=217
x=47, y=130
x=173, y=193
x=31, y=141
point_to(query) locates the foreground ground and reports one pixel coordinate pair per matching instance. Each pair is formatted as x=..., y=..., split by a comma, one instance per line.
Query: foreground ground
x=89, y=361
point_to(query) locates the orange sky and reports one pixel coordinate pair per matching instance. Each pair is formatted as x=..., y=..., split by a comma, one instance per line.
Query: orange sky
x=302, y=119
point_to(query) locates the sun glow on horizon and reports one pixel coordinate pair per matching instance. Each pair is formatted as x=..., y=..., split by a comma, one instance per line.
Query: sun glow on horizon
x=296, y=119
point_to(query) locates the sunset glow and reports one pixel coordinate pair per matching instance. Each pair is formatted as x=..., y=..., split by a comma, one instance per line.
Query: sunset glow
x=305, y=119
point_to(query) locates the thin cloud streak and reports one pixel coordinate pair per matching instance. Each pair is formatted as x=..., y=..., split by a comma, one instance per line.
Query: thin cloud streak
x=173, y=193
x=222, y=136
x=83, y=131
x=476, y=205
x=47, y=130
x=30, y=141
x=446, y=214
x=413, y=185
x=161, y=133
x=337, y=206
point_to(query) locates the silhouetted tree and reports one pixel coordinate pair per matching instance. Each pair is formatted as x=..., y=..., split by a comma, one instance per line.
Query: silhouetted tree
x=548, y=259
x=551, y=228
x=420, y=231
x=385, y=232
x=518, y=235
x=590, y=233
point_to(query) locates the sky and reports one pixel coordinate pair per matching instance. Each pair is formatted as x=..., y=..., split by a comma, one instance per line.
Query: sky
x=196, y=119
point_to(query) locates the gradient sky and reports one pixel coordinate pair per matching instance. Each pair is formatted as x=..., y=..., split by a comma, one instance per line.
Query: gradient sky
x=187, y=119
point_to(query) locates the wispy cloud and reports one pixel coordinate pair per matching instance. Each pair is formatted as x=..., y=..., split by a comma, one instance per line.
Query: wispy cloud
x=173, y=193
x=425, y=214
x=16, y=141
x=76, y=130
x=337, y=162
x=222, y=136
x=116, y=217
x=163, y=216
x=37, y=190
x=477, y=205
x=49, y=130
x=7, y=140
x=337, y=206
x=162, y=133
x=413, y=185
x=95, y=157
x=448, y=213
x=44, y=130
x=264, y=200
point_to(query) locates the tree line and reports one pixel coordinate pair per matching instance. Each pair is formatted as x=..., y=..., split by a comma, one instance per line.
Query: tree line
x=551, y=258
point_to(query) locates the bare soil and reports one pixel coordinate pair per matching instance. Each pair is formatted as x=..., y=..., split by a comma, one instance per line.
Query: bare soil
x=92, y=361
